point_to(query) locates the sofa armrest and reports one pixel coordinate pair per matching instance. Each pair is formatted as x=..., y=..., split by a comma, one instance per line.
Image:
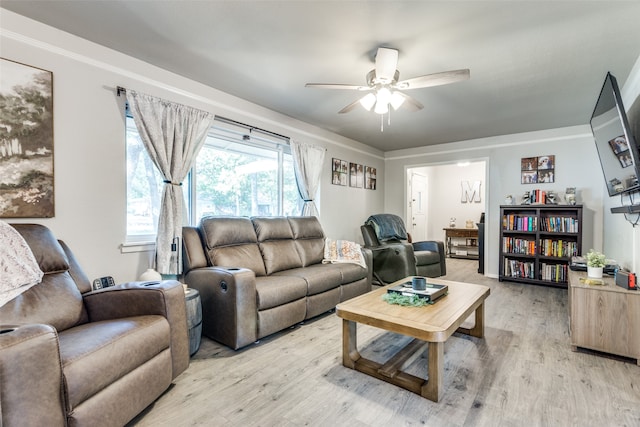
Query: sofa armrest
x=31, y=385
x=368, y=259
x=229, y=304
x=164, y=298
x=433, y=246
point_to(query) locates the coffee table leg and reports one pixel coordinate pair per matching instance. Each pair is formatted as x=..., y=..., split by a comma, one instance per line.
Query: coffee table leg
x=435, y=370
x=478, y=328
x=350, y=352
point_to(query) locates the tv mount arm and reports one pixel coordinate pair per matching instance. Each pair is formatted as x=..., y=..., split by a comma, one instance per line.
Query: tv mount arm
x=632, y=209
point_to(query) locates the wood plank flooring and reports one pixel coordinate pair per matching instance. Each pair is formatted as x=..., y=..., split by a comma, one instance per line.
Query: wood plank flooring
x=523, y=373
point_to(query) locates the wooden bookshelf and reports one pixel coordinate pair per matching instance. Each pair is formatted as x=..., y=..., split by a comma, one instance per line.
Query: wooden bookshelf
x=538, y=241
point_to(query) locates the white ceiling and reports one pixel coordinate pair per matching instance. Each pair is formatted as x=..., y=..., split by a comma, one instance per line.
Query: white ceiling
x=534, y=64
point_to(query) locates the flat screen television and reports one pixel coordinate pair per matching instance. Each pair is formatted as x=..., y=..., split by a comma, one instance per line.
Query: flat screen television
x=617, y=149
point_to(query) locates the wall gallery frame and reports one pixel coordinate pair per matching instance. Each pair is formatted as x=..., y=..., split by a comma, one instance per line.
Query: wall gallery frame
x=536, y=170
x=26, y=141
x=354, y=174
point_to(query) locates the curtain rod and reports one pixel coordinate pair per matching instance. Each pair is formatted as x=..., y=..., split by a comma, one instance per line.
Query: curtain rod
x=120, y=90
x=249, y=127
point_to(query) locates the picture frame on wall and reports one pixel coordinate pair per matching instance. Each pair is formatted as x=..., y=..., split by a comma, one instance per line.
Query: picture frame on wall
x=339, y=172
x=536, y=170
x=26, y=142
x=356, y=175
x=370, y=178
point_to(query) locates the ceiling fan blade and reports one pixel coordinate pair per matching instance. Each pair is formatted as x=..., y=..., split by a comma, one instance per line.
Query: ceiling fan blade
x=386, y=63
x=349, y=107
x=435, y=79
x=336, y=86
x=410, y=103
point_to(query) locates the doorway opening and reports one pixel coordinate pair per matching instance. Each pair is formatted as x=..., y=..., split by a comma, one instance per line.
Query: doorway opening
x=445, y=194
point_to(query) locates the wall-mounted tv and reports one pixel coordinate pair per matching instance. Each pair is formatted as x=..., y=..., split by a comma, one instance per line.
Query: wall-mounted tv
x=617, y=149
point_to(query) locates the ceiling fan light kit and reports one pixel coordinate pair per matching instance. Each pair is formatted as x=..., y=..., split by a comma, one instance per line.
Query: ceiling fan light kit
x=386, y=89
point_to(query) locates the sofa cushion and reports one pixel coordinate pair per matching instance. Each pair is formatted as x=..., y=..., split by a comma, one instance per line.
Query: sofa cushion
x=319, y=277
x=273, y=291
x=56, y=301
x=45, y=247
x=350, y=272
x=279, y=255
x=426, y=257
x=97, y=354
x=309, y=239
x=232, y=242
x=275, y=240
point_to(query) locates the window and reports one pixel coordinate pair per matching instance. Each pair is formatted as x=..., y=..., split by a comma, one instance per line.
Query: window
x=240, y=171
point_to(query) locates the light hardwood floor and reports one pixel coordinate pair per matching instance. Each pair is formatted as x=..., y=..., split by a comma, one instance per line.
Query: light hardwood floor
x=523, y=373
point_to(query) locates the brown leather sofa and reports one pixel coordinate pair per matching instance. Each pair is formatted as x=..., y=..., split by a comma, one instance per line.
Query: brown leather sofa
x=259, y=275
x=77, y=357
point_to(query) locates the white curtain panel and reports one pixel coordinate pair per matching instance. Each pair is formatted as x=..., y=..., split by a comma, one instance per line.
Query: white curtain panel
x=173, y=135
x=308, y=160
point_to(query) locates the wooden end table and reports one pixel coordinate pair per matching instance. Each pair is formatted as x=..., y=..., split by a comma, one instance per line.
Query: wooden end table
x=430, y=325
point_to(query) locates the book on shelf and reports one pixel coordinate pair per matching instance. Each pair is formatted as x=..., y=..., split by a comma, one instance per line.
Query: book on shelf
x=430, y=293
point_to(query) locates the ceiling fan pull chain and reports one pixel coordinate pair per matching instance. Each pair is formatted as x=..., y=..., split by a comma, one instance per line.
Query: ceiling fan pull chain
x=381, y=123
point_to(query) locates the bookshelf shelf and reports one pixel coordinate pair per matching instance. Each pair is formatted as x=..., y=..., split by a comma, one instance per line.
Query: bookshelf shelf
x=537, y=242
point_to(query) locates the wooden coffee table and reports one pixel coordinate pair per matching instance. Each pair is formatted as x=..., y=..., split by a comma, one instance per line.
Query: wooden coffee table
x=430, y=325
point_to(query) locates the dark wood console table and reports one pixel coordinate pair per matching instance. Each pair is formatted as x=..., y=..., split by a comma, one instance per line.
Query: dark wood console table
x=459, y=248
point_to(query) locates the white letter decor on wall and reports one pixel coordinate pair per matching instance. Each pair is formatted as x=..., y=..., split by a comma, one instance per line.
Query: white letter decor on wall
x=470, y=193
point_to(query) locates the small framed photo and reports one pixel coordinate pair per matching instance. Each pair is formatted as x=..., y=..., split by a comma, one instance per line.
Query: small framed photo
x=339, y=172
x=536, y=170
x=356, y=175
x=619, y=144
x=369, y=178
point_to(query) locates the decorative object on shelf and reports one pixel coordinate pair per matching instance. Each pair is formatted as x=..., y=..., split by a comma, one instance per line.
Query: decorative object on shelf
x=150, y=275
x=595, y=264
x=539, y=169
x=452, y=222
x=551, y=198
x=570, y=196
x=508, y=200
x=469, y=223
x=526, y=198
x=26, y=145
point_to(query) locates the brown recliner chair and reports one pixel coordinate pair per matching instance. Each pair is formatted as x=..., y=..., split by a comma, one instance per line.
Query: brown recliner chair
x=395, y=256
x=70, y=356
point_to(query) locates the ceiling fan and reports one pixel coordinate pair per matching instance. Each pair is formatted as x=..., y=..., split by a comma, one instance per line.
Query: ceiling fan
x=384, y=88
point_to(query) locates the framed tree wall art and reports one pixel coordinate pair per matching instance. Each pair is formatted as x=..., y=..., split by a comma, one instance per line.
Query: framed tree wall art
x=26, y=141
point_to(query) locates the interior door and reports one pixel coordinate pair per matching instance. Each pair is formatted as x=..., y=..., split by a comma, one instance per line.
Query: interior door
x=418, y=207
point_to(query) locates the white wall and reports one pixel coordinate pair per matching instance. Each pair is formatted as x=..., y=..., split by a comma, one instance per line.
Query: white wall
x=445, y=195
x=89, y=142
x=576, y=166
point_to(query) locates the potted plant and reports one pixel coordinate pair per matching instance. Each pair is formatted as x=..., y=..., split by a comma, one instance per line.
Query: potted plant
x=595, y=263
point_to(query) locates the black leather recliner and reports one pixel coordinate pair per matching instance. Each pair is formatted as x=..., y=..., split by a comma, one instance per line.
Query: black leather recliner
x=395, y=258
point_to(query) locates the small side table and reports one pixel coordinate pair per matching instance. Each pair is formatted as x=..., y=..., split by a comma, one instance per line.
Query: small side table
x=194, y=319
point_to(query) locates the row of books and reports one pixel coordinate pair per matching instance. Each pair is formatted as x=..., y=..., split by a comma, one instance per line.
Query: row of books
x=526, y=270
x=558, y=248
x=557, y=224
x=548, y=247
x=554, y=272
x=560, y=224
x=515, y=245
x=519, y=222
x=520, y=269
